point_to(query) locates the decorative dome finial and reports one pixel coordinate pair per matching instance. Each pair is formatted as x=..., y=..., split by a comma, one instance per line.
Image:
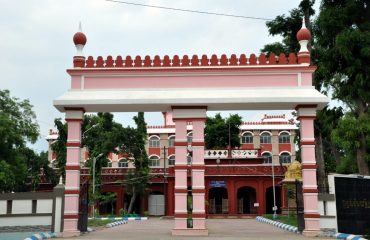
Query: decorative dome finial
x=79, y=40
x=303, y=37
x=303, y=33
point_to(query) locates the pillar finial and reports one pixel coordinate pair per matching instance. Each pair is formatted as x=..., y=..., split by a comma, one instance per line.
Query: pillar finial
x=79, y=39
x=303, y=37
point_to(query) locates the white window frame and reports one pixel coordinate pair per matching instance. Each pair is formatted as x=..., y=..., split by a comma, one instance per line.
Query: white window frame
x=267, y=160
x=171, y=141
x=284, y=137
x=262, y=135
x=154, y=141
x=243, y=135
x=157, y=161
x=171, y=159
x=283, y=157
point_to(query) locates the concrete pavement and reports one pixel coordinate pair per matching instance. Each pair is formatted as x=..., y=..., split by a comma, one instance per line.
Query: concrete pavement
x=157, y=229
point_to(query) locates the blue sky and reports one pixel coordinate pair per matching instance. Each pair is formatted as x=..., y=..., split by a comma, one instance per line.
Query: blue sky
x=36, y=45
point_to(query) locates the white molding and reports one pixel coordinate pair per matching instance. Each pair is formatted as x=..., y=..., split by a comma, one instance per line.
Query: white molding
x=299, y=78
x=216, y=99
x=189, y=113
x=74, y=114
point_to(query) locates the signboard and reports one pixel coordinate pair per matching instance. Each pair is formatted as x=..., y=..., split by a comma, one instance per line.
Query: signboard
x=217, y=184
x=352, y=196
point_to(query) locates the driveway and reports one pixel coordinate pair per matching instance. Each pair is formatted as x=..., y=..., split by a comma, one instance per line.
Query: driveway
x=158, y=229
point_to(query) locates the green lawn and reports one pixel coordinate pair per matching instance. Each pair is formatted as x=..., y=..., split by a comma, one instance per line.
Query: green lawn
x=290, y=220
x=98, y=222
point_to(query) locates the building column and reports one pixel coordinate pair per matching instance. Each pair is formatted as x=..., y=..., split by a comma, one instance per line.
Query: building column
x=306, y=116
x=181, y=116
x=197, y=170
x=232, y=196
x=72, y=182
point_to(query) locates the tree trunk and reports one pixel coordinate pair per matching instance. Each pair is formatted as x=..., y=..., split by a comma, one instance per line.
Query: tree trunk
x=334, y=151
x=321, y=176
x=362, y=165
x=133, y=198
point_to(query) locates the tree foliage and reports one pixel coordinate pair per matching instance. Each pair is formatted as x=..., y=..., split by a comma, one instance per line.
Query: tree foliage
x=287, y=27
x=133, y=143
x=219, y=131
x=342, y=50
x=17, y=127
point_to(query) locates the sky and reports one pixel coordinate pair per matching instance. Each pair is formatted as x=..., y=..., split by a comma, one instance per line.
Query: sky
x=36, y=44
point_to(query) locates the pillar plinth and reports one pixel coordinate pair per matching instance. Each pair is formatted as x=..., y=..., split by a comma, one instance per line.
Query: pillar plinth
x=72, y=182
x=306, y=115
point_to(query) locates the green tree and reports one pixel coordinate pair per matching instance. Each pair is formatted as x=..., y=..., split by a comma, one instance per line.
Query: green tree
x=17, y=127
x=342, y=50
x=59, y=146
x=220, y=132
x=133, y=144
x=287, y=27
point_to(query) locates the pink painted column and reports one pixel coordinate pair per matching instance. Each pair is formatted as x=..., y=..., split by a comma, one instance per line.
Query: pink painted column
x=72, y=181
x=182, y=115
x=181, y=186
x=197, y=170
x=306, y=115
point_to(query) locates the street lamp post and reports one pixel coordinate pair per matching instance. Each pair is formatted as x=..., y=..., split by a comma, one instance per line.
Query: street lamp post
x=273, y=189
x=93, y=190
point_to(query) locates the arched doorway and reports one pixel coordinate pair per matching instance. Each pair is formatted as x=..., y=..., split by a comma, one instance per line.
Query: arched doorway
x=246, y=199
x=218, y=201
x=270, y=199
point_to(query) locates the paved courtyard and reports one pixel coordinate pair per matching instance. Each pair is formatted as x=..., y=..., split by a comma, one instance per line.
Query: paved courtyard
x=158, y=229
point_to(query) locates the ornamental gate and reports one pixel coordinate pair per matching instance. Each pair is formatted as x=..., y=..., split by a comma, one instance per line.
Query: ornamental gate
x=191, y=86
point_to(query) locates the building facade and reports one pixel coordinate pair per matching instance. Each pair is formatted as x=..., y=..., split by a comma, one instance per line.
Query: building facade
x=237, y=181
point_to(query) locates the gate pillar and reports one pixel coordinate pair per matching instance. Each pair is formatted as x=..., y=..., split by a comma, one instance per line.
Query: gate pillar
x=306, y=115
x=72, y=182
x=181, y=116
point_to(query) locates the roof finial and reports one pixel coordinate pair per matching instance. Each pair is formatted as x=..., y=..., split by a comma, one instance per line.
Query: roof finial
x=79, y=40
x=303, y=37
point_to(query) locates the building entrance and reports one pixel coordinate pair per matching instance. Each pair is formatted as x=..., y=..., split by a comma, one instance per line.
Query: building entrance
x=218, y=201
x=246, y=199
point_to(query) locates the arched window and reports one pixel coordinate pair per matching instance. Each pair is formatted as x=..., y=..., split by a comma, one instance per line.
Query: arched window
x=190, y=137
x=123, y=163
x=154, y=142
x=171, y=141
x=267, y=157
x=154, y=161
x=247, y=137
x=285, y=158
x=171, y=160
x=265, y=137
x=284, y=137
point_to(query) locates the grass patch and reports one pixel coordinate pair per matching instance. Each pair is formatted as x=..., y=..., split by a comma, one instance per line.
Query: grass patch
x=290, y=220
x=98, y=222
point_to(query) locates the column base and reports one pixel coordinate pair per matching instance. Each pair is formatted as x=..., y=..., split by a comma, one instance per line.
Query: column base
x=189, y=232
x=67, y=234
x=311, y=233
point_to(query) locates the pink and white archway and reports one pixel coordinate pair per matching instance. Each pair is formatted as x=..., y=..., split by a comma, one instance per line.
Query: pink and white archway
x=189, y=87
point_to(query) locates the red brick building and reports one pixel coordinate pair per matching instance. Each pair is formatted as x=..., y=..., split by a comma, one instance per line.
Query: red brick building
x=238, y=181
